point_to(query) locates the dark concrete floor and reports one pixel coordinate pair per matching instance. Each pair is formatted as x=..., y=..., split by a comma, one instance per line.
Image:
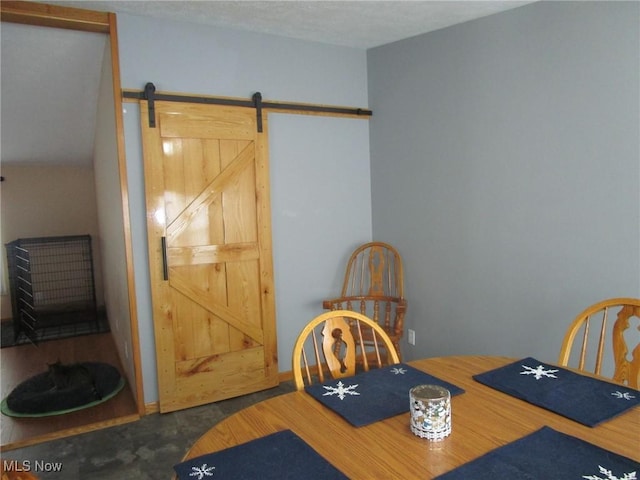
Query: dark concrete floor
x=143, y=450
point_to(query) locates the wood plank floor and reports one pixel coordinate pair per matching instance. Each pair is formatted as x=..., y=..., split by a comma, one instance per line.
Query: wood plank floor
x=19, y=363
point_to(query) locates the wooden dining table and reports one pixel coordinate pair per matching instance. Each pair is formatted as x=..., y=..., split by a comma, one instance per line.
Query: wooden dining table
x=483, y=419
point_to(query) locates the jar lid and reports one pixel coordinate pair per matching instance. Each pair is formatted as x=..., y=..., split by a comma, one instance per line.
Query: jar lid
x=429, y=392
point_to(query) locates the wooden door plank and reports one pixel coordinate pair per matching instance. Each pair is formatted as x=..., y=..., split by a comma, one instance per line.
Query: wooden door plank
x=214, y=314
x=208, y=195
x=184, y=285
x=208, y=254
x=234, y=126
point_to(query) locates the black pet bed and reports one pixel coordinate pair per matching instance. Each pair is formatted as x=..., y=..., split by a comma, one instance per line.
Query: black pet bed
x=39, y=396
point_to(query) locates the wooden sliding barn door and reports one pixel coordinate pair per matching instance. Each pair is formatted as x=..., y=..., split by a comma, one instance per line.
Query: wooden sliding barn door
x=209, y=229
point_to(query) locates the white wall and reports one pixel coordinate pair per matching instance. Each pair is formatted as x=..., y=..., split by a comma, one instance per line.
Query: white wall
x=48, y=201
x=110, y=220
x=320, y=178
x=505, y=166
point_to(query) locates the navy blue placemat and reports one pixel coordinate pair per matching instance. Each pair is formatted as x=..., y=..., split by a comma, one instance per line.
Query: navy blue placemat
x=374, y=395
x=281, y=455
x=547, y=455
x=586, y=400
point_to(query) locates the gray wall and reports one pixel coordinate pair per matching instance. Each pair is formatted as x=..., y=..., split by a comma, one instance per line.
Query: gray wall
x=505, y=165
x=320, y=179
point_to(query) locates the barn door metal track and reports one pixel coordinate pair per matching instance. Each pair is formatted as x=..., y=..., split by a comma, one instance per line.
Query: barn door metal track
x=149, y=94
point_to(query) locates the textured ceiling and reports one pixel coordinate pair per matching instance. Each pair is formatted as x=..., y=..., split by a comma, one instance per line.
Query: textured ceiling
x=360, y=24
x=50, y=76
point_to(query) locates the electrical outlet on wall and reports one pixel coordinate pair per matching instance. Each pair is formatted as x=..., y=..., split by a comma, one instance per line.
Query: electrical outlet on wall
x=411, y=337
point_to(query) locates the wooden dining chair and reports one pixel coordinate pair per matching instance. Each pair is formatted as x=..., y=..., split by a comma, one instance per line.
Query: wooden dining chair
x=374, y=286
x=626, y=368
x=326, y=347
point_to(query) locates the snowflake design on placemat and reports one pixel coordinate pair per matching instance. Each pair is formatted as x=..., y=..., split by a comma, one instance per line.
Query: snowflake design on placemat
x=610, y=476
x=340, y=390
x=201, y=472
x=398, y=371
x=538, y=372
x=625, y=395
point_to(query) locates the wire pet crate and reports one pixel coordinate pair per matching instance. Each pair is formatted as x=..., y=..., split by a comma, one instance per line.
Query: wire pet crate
x=52, y=283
